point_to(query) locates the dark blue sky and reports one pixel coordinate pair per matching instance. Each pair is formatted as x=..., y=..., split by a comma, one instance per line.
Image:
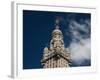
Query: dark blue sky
x=37, y=29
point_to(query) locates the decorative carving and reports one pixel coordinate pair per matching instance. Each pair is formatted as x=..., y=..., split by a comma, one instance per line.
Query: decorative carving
x=46, y=50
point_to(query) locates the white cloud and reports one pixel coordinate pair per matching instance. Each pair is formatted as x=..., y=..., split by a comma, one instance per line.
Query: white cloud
x=80, y=47
x=80, y=51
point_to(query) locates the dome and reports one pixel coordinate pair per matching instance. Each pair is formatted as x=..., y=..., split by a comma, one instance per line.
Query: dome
x=57, y=32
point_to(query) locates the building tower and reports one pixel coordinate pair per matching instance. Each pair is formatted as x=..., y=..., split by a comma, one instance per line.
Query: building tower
x=56, y=55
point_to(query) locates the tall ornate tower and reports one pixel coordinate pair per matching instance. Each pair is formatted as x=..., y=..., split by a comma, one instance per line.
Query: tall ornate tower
x=56, y=55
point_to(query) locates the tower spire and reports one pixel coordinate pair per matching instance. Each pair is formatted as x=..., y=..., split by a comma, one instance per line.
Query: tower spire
x=56, y=54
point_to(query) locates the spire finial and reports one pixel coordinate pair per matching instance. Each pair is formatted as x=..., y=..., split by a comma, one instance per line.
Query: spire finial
x=57, y=22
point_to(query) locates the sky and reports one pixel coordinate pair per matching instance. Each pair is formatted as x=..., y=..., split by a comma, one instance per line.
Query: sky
x=37, y=29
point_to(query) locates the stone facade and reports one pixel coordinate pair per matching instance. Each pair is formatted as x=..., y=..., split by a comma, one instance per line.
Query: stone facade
x=56, y=55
